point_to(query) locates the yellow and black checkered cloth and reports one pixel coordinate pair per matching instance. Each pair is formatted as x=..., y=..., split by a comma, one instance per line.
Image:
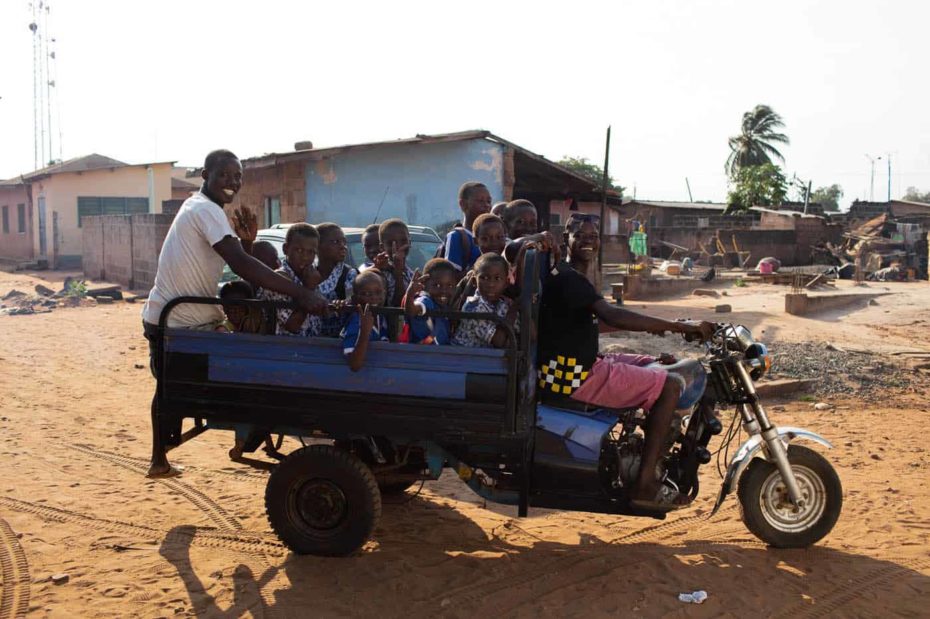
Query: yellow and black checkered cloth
x=561, y=375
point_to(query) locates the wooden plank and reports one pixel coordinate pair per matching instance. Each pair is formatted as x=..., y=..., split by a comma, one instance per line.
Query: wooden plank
x=811, y=283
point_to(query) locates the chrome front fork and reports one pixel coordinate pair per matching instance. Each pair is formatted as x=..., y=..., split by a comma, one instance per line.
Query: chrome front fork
x=758, y=423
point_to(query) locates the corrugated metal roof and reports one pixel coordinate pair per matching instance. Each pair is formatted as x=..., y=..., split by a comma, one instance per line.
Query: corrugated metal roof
x=320, y=153
x=704, y=206
x=94, y=161
x=78, y=164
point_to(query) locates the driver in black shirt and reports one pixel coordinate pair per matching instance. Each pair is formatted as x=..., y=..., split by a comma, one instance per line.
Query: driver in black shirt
x=571, y=367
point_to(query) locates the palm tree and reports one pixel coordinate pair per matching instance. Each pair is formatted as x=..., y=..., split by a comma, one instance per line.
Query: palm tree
x=753, y=145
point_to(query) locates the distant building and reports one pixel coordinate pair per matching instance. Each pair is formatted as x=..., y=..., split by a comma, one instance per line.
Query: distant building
x=16, y=233
x=415, y=179
x=902, y=210
x=784, y=234
x=56, y=198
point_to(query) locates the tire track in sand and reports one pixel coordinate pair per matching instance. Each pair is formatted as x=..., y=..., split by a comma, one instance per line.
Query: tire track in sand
x=240, y=541
x=223, y=520
x=14, y=571
x=654, y=531
x=835, y=600
x=219, y=516
x=240, y=475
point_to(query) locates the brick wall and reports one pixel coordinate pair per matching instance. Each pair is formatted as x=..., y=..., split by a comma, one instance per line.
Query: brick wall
x=123, y=249
x=148, y=235
x=284, y=181
x=92, y=247
x=117, y=248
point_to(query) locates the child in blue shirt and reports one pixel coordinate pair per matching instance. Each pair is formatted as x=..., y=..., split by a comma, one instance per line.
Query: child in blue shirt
x=431, y=291
x=364, y=326
x=460, y=247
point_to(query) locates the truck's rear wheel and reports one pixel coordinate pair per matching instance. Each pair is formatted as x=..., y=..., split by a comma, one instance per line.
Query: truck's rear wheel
x=322, y=501
x=770, y=515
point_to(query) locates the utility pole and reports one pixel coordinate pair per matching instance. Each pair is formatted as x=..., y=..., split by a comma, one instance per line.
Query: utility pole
x=888, y=157
x=872, y=161
x=690, y=197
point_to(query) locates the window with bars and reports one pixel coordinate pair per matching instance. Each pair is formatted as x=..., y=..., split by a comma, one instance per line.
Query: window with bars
x=21, y=218
x=89, y=206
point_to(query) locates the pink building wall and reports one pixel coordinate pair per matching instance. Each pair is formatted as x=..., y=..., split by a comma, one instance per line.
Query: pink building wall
x=13, y=243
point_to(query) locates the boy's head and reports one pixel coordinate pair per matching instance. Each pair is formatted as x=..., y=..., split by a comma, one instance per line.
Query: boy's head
x=371, y=241
x=394, y=237
x=520, y=218
x=236, y=314
x=584, y=238
x=333, y=246
x=492, y=271
x=443, y=277
x=264, y=252
x=498, y=209
x=300, y=246
x=368, y=288
x=474, y=199
x=490, y=234
x=222, y=176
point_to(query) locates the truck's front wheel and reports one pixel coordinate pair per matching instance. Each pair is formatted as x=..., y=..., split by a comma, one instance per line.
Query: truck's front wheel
x=322, y=501
x=768, y=512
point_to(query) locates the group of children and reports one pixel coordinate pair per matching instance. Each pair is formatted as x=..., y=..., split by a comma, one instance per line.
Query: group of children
x=470, y=273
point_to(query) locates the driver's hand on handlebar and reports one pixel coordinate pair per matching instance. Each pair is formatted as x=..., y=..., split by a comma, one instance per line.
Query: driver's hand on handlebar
x=697, y=330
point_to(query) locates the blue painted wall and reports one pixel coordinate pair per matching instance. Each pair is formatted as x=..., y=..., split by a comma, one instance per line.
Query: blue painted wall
x=424, y=180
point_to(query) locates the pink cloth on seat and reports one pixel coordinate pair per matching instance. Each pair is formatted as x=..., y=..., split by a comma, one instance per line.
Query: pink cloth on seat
x=619, y=380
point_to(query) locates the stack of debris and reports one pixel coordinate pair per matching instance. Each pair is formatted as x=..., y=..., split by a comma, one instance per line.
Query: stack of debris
x=880, y=249
x=73, y=293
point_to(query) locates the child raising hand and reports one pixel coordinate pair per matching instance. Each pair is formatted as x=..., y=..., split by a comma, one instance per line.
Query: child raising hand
x=363, y=325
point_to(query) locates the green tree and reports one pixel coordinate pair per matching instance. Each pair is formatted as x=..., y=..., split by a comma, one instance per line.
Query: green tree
x=753, y=146
x=913, y=194
x=582, y=166
x=758, y=185
x=828, y=197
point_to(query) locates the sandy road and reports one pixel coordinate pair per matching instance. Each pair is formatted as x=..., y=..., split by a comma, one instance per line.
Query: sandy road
x=74, y=499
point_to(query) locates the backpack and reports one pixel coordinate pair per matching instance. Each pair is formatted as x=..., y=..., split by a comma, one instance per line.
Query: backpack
x=341, y=284
x=466, y=245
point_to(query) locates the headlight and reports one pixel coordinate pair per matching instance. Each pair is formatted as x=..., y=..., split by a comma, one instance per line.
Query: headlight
x=741, y=336
x=759, y=360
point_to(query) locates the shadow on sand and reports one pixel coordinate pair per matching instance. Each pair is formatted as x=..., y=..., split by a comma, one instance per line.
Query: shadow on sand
x=429, y=559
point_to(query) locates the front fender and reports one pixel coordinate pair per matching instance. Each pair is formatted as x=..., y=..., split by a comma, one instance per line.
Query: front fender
x=748, y=450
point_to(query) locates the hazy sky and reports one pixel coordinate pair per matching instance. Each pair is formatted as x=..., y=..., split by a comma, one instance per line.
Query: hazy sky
x=173, y=79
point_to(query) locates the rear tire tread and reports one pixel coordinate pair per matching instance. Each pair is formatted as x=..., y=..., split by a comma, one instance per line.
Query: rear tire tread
x=361, y=519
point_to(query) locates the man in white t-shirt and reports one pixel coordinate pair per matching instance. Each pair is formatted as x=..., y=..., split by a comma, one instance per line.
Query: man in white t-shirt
x=198, y=243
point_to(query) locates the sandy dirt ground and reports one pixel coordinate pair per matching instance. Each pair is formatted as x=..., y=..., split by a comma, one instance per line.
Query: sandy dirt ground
x=74, y=500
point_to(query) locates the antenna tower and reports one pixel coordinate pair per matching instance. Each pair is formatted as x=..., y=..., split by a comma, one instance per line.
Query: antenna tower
x=42, y=84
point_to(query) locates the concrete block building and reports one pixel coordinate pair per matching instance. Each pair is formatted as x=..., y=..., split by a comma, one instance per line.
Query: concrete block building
x=56, y=199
